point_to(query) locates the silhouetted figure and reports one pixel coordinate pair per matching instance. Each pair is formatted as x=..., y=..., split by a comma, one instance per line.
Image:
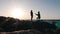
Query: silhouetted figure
x=31, y=15
x=38, y=15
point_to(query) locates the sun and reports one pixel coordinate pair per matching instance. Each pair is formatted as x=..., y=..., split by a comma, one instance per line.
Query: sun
x=17, y=13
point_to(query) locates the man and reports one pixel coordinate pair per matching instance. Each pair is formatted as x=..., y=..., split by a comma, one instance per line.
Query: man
x=38, y=15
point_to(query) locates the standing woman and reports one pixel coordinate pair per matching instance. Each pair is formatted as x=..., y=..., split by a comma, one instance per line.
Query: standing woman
x=31, y=14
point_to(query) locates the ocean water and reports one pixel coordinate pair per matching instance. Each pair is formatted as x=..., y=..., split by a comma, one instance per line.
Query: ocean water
x=56, y=21
x=58, y=24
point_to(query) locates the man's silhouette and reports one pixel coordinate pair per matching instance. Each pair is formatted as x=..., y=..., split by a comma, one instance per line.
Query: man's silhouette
x=38, y=15
x=31, y=15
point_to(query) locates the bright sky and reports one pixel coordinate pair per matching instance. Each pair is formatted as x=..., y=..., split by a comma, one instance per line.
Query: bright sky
x=49, y=9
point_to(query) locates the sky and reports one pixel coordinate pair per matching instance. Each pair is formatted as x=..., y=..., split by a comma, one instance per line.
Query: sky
x=49, y=9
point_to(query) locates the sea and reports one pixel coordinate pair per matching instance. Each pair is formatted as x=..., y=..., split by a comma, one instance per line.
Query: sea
x=57, y=21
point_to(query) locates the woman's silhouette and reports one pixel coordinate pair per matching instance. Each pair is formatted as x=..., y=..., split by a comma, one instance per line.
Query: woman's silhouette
x=31, y=14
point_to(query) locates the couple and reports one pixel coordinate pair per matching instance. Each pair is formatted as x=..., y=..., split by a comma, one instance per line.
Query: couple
x=38, y=15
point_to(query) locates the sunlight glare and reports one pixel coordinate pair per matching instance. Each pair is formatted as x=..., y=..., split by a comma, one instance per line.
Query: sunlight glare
x=17, y=13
